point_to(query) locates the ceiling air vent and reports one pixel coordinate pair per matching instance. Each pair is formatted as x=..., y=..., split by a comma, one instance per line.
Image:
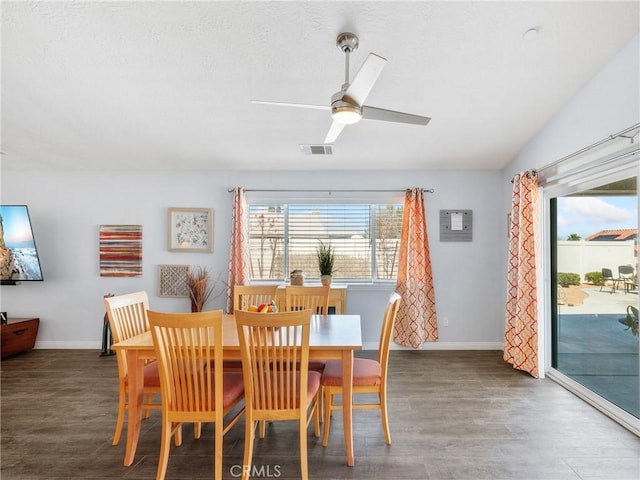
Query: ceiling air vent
x=317, y=149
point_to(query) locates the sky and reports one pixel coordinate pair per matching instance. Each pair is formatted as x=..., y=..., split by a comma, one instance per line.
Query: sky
x=588, y=215
x=16, y=226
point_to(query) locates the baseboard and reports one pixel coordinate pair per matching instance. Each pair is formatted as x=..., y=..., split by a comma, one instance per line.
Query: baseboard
x=88, y=345
x=365, y=346
x=442, y=346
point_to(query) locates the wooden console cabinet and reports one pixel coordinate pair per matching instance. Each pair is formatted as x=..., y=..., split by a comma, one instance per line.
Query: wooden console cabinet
x=337, y=299
x=18, y=335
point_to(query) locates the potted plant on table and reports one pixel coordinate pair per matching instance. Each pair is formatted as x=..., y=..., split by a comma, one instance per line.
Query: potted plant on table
x=326, y=257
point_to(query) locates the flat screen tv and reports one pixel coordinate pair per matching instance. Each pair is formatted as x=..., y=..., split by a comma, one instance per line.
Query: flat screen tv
x=19, y=260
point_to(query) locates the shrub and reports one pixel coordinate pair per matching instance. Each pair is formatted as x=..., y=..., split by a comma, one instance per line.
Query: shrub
x=594, y=278
x=566, y=279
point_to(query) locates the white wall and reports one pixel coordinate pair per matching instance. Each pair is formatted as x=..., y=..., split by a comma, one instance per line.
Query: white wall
x=607, y=104
x=68, y=207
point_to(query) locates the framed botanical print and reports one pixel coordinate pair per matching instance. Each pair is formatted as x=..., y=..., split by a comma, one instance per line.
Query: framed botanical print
x=190, y=230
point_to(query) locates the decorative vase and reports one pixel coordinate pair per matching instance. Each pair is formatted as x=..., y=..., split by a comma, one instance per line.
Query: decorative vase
x=325, y=280
x=297, y=277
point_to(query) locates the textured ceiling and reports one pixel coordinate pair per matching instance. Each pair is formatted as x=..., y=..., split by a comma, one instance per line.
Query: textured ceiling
x=167, y=85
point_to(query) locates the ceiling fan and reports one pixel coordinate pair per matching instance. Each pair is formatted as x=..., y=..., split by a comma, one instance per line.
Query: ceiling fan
x=347, y=106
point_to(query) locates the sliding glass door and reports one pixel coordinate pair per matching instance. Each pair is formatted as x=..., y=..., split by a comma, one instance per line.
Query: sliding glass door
x=594, y=268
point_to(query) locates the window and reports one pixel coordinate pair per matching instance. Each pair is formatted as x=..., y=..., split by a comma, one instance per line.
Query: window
x=365, y=238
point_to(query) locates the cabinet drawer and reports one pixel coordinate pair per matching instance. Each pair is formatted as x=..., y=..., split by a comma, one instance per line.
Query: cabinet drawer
x=18, y=336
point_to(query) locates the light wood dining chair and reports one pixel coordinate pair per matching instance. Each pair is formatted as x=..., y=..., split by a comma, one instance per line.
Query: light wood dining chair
x=194, y=387
x=278, y=383
x=369, y=376
x=243, y=297
x=127, y=316
x=246, y=295
x=315, y=299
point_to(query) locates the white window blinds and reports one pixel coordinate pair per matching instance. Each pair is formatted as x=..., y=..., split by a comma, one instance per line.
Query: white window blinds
x=365, y=238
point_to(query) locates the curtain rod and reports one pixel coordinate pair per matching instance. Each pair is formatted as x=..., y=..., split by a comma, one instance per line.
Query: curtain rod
x=427, y=190
x=528, y=173
x=593, y=145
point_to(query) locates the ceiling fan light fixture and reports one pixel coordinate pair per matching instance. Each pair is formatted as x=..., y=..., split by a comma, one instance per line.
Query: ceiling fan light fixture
x=346, y=114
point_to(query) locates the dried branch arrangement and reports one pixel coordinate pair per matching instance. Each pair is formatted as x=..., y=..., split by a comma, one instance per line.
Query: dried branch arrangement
x=200, y=287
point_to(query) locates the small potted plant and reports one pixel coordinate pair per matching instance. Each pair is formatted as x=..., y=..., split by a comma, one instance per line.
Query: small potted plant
x=326, y=258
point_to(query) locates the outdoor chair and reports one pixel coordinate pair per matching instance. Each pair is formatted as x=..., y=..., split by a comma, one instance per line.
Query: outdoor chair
x=627, y=276
x=607, y=276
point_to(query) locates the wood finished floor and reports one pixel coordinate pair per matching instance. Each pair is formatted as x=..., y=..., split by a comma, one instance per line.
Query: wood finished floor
x=453, y=415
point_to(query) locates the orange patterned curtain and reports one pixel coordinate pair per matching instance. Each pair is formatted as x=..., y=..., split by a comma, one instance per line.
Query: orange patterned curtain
x=239, y=254
x=416, y=321
x=521, y=331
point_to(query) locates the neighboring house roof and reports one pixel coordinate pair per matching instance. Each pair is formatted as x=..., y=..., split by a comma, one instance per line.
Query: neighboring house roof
x=614, y=235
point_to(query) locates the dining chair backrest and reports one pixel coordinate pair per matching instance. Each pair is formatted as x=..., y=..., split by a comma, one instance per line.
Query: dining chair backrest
x=188, y=347
x=246, y=295
x=127, y=316
x=185, y=343
x=277, y=381
x=315, y=299
x=275, y=359
x=389, y=320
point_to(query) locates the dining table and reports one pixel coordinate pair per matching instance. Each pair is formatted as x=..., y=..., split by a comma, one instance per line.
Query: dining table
x=331, y=337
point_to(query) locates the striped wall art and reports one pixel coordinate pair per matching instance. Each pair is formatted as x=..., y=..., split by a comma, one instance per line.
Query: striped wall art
x=120, y=250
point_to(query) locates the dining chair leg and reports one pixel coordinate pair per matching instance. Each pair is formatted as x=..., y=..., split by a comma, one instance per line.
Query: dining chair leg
x=197, y=430
x=148, y=399
x=303, y=449
x=217, y=455
x=249, y=436
x=316, y=413
x=177, y=436
x=328, y=400
x=321, y=403
x=120, y=419
x=385, y=417
x=165, y=446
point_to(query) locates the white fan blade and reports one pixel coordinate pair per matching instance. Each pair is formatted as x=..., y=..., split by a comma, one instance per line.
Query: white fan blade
x=299, y=105
x=334, y=131
x=374, y=113
x=365, y=78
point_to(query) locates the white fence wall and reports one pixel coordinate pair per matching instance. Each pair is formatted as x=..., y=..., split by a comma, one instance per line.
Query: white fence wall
x=582, y=256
